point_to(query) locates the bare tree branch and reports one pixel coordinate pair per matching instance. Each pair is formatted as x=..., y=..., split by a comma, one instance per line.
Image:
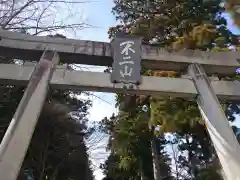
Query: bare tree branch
x=40, y=16
x=180, y=173
x=14, y=14
x=67, y=2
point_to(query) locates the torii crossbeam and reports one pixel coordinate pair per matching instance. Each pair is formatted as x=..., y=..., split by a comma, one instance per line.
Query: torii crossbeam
x=23, y=46
x=196, y=85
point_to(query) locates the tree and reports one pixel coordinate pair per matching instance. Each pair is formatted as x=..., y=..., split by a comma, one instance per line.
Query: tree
x=177, y=25
x=130, y=141
x=57, y=149
x=58, y=141
x=129, y=150
x=39, y=16
x=232, y=6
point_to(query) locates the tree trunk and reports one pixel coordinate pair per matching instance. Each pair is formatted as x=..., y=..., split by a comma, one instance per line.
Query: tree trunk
x=156, y=163
x=142, y=174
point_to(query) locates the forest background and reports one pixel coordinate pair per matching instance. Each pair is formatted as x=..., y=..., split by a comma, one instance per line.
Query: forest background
x=181, y=24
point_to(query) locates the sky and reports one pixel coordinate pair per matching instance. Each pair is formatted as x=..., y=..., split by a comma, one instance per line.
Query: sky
x=98, y=14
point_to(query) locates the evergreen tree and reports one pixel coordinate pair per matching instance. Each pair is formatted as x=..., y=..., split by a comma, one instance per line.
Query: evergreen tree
x=175, y=25
x=57, y=149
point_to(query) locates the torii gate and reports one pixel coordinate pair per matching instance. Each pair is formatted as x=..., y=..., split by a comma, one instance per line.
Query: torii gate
x=47, y=72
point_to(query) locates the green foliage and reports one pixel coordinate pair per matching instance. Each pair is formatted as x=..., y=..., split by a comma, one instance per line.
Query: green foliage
x=208, y=173
x=175, y=25
x=57, y=149
x=128, y=142
x=114, y=172
x=174, y=114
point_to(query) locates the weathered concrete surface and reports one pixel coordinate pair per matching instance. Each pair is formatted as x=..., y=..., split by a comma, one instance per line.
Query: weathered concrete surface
x=24, y=46
x=97, y=81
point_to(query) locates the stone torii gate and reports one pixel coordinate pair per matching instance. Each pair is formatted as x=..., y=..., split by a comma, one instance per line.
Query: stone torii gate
x=47, y=72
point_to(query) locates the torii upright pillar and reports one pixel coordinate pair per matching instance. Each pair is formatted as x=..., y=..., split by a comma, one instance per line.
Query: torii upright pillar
x=19, y=133
x=222, y=136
